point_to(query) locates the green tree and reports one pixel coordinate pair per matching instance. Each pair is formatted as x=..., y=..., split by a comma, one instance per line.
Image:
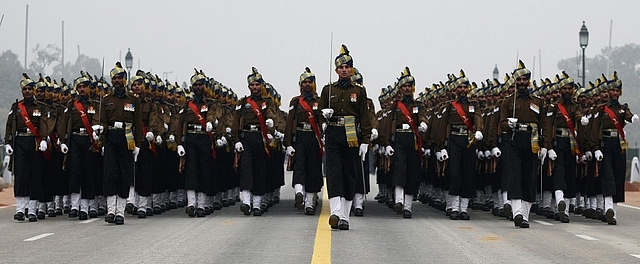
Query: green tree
x=45, y=57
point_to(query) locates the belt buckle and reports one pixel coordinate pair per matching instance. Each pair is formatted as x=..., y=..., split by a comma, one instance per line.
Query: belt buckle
x=82, y=130
x=306, y=126
x=523, y=127
x=613, y=133
x=253, y=127
x=28, y=131
x=197, y=128
x=565, y=133
x=405, y=126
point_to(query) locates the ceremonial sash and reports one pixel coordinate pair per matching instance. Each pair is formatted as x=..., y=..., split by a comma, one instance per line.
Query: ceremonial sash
x=32, y=128
x=263, y=126
x=152, y=147
x=616, y=122
x=409, y=119
x=466, y=121
x=313, y=122
x=202, y=121
x=85, y=121
x=574, y=143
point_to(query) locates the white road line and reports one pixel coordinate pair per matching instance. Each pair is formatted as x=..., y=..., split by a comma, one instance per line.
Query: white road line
x=635, y=255
x=37, y=237
x=543, y=223
x=89, y=221
x=585, y=237
x=629, y=206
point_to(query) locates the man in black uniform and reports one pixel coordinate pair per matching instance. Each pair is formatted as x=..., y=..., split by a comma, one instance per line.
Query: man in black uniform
x=343, y=103
x=122, y=124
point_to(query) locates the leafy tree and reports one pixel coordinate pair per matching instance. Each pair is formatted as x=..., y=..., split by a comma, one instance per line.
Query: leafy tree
x=45, y=57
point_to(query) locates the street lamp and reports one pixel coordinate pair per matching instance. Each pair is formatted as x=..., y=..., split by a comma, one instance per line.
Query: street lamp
x=496, y=73
x=128, y=62
x=584, y=41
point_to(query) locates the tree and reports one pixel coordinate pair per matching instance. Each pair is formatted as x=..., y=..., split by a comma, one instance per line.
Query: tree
x=45, y=57
x=71, y=71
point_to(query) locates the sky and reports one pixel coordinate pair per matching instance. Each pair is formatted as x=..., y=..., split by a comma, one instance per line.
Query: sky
x=280, y=38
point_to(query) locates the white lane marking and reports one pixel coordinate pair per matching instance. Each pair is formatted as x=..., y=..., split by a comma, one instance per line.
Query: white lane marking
x=89, y=221
x=6, y=206
x=585, y=237
x=635, y=255
x=37, y=237
x=629, y=206
x=543, y=223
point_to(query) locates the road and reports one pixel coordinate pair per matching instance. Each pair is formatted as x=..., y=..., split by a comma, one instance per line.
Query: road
x=286, y=235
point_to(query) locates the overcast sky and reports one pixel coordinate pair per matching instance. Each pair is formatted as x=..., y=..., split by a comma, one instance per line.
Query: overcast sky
x=226, y=38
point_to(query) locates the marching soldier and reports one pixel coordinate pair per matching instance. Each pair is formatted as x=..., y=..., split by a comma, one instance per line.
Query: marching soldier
x=302, y=137
x=43, y=94
x=121, y=120
x=252, y=124
x=343, y=103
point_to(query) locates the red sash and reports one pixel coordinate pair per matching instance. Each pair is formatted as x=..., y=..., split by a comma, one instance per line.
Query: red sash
x=263, y=127
x=567, y=119
x=312, y=120
x=32, y=128
x=85, y=121
x=462, y=115
x=152, y=146
x=202, y=121
x=409, y=119
x=615, y=121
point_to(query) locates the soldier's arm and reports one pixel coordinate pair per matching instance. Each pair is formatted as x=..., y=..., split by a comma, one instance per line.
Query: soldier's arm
x=155, y=123
x=137, y=122
x=9, y=129
x=363, y=114
x=270, y=113
x=235, y=127
x=504, y=114
x=176, y=126
x=627, y=113
x=290, y=127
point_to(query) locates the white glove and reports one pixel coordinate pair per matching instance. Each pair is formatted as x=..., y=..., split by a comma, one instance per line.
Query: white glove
x=227, y=130
x=43, y=145
x=239, y=147
x=363, y=151
x=381, y=151
x=63, y=148
x=598, y=155
x=290, y=151
x=269, y=123
x=158, y=140
x=584, y=121
x=172, y=138
x=181, y=151
x=327, y=112
x=136, y=151
x=635, y=118
x=512, y=122
x=487, y=154
x=439, y=156
x=427, y=153
x=496, y=152
x=324, y=126
x=215, y=123
x=389, y=151
x=58, y=142
x=149, y=136
x=542, y=154
x=166, y=127
x=423, y=127
x=95, y=136
x=552, y=154
x=588, y=155
x=479, y=136
x=480, y=154
x=444, y=154
x=8, y=150
x=221, y=142
x=583, y=159
x=102, y=151
x=270, y=137
x=374, y=134
x=278, y=135
x=375, y=147
x=209, y=127
x=97, y=129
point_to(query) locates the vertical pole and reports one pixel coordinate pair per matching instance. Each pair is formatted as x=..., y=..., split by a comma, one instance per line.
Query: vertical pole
x=26, y=31
x=62, y=48
x=583, y=73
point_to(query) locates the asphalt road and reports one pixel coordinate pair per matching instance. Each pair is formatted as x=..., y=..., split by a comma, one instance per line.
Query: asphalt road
x=286, y=235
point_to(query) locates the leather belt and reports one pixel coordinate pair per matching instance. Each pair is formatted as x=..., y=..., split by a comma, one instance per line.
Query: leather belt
x=459, y=130
x=523, y=127
x=610, y=133
x=304, y=126
x=563, y=132
x=251, y=128
x=336, y=121
x=80, y=131
x=401, y=130
x=112, y=125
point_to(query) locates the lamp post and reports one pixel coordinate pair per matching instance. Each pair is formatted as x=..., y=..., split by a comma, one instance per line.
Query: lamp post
x=584, y=41
x=496, y=73
x=128, y=62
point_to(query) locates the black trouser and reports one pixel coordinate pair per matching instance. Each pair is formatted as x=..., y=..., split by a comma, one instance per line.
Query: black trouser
x=613, y=169
x=593, y=185
x=522, y=167
x=197, y=162
x=98, y=172
x=27, y=168
x=118, y=164
x=81, y=167
x=307, y=162
x=503, y=162
x=362, y=175
x=405, y=163
x=145, y=170
x=253, y=164
x=461, y=170
x=341, y=164
x=224, y=168
x=163, y=166
x=564, y=168
x=50, y=175
x=276, y=169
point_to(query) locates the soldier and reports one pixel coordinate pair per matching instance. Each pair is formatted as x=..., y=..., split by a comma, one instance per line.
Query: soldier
x=303, y=131
x=121, y=119
x=560, y=139
x=81, y=118
x=197, y=119
x=343, y=103
x=26, y=129
x=43, y=94
x=521, y=117
x=608, y=139
x=402, y=139
x=252, y=124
